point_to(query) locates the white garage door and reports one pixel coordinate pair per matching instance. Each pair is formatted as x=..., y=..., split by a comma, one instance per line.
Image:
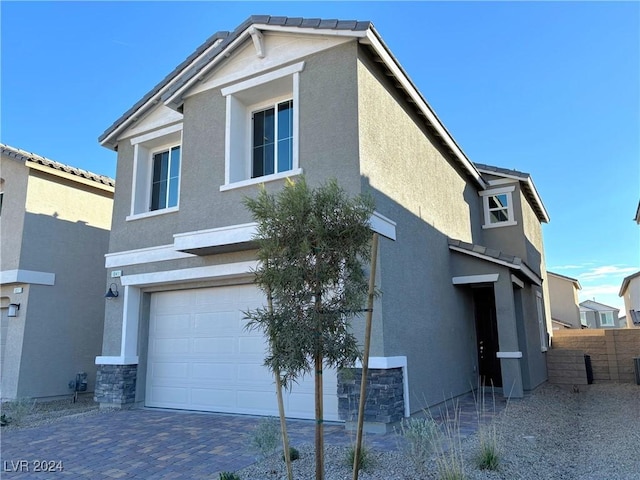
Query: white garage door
x=202, y=358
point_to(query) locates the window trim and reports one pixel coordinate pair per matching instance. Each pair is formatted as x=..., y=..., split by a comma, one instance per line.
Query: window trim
x=233, y=104
x=152, y=154
x=144, y=147
x=603, y=324
x=486, y=195
x=541, y=323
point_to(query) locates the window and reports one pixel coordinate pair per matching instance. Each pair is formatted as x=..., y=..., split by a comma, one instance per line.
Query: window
x=498, y=207
x=1, y=199
x=606, y=319
x=583, y=319
x=261, y=140
x=156, y=172
x=272, y=140
x=166, y=176
x=541, y=324
x=635, y=317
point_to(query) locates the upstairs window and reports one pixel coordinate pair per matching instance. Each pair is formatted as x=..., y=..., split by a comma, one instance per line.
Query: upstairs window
x=156, y=172
x=166, y=176
x=606, y=319
x=498, y=207
x=272, y=150
x=261, y=142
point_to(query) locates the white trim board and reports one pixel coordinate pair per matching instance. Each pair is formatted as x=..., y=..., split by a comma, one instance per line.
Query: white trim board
x=116, y=360
x=471, y=279
x=144, y=255
x=224, y=271
x=27, y=276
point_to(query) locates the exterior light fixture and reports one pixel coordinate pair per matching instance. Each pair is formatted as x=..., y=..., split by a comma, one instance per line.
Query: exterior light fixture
x=13, y=309
x=111, y=293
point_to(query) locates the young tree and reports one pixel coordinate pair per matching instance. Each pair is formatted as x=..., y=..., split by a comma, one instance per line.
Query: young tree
x=313, y=244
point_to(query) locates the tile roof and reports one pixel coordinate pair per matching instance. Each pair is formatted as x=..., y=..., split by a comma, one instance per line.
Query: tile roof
x=598, y=307
x=626, y=281
x=496, y=256
x=32, y=157
x=527, y=186
x=573, y=280
x=223, y=39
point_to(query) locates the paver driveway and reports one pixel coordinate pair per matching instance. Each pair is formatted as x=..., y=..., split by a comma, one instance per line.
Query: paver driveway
x=146, y=443
x=161, y=444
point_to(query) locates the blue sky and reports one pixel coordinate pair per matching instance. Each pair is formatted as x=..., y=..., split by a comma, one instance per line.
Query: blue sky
x=548, y=88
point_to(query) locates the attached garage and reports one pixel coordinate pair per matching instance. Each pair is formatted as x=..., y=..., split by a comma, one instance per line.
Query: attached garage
x=201, y=357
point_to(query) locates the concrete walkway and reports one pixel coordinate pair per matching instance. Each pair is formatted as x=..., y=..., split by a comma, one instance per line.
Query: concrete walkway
x=160, y=444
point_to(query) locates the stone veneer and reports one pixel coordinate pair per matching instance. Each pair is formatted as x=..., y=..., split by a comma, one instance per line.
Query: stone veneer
x=116, y=384
x=385, y=397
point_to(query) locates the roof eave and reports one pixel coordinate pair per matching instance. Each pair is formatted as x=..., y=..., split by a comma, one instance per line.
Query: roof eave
x=374, y=40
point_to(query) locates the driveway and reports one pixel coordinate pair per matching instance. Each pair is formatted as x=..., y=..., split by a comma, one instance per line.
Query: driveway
x=148, y=443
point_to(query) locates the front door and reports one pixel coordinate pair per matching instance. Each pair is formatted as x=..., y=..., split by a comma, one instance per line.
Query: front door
x=487, y=335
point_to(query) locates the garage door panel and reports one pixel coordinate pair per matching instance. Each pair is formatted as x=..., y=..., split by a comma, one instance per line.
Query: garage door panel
x=168, y=346
x=220, y=345
x=216, y=372
x=170, y=325
x=171, y=396
x=220, y=323
x=201, y=357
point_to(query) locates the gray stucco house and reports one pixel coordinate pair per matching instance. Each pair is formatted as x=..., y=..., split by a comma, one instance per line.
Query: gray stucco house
x=461, y=259
x=630, y=293
x=598, y=315
x=55, y=222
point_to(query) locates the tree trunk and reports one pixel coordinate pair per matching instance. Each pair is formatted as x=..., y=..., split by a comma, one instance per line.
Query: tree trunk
x=283, y=426
x=319, y=420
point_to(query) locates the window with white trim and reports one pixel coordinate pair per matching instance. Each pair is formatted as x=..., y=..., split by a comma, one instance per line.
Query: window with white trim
x=606, y=319
x=156, y=172
x=498, y=207
x=583, y=318
x=261, y=141
x=541, y=323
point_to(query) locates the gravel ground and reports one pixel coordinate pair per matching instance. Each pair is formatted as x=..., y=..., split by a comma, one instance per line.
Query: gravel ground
x=555, y=433
x=25, y=413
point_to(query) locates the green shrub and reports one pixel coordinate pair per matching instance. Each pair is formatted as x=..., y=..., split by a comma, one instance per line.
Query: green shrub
x=229, y=476
x=365, y=460
x=294, y=454
x=419, y=435
x=489, y=439
x=266, y=437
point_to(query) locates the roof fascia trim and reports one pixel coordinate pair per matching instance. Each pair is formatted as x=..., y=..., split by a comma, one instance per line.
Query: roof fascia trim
x=380, y=48
x=526, y=271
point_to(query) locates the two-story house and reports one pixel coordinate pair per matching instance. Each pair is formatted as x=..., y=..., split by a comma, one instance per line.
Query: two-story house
x=55, y=222
x=461, y=262
x=598, y=315
x=563, y=301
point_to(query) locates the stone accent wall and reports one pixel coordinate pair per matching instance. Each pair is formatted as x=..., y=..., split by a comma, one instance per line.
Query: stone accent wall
x=611, y=350
x=116, y=384
x=385, y=395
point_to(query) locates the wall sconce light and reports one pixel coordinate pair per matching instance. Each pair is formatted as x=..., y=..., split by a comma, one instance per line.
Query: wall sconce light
x=13, y=310
x=110, y=293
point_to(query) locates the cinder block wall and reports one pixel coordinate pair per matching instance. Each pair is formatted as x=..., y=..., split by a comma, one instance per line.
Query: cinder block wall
x=612, y=351
x=566, y=367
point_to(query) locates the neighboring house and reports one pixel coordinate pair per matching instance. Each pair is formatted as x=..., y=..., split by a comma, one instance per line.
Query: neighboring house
x=461, y=263
x=598, y=315
x=630, y=292
x=55, y=222
x=563, y=300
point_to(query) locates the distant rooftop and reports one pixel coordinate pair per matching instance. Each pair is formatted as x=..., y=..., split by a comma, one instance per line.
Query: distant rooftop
x=23, y=155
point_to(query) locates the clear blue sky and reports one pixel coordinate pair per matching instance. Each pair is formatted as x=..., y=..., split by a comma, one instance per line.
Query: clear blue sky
x=548, y=88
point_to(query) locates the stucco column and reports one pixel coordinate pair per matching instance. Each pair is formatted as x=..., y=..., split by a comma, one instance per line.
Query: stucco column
x=509, y=354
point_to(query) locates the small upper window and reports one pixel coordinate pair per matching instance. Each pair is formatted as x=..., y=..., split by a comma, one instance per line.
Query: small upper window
x=498, y=207
x=156, y=172
x=606, y=319
x=272, y=140
x=166, y=176
x=261, y=138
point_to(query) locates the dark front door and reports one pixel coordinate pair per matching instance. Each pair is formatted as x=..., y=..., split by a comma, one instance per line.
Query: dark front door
x=487, y=335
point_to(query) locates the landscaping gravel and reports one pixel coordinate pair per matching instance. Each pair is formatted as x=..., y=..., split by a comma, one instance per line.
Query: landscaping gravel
x=556, y=433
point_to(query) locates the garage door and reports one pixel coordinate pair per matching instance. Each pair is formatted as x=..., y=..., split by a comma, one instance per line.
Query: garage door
x=201, y=357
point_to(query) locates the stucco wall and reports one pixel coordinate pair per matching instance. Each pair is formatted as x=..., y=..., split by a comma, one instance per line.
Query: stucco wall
x=425, y=317
x=14, y=186
x=563, y=301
